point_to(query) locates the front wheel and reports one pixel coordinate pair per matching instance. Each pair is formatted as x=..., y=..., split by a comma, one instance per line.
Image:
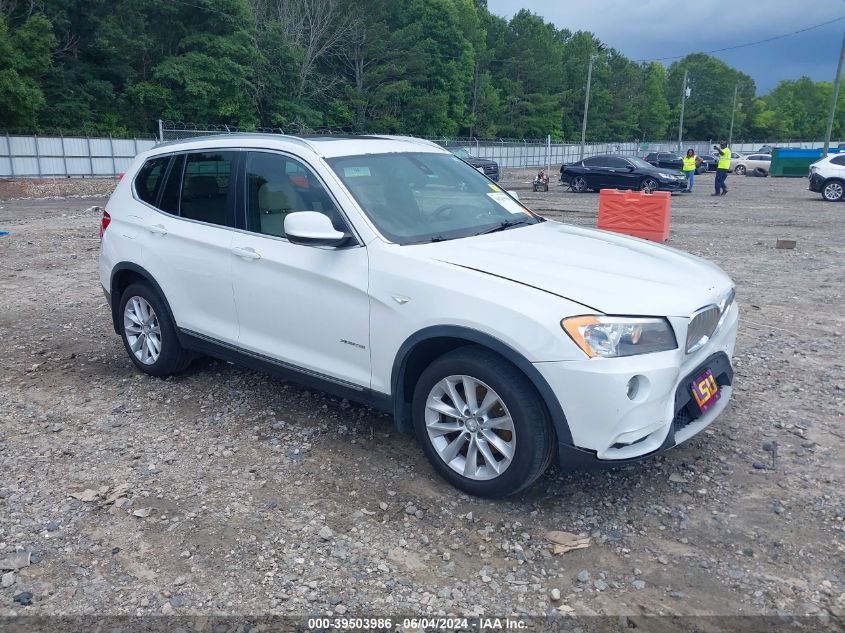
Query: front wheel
x=481, y=423
x=648, y=185
x=834, y=191
x=740, y=170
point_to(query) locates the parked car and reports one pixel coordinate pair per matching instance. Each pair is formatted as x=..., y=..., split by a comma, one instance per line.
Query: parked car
x=708, y=163
x=396, y=275
x=827, y=177
x=751, y=162
x=765, y=149
x=671, y=160
x=620, y=172
x=489, y=168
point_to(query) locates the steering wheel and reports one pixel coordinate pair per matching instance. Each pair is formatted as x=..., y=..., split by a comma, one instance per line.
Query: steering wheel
x=441, y=210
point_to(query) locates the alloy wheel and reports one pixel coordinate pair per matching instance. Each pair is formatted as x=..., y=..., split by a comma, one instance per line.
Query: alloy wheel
x=833, y=191
x=740, y=170
x=579, y=184
x=648, y=185
x=142, y=330
x=470, y=427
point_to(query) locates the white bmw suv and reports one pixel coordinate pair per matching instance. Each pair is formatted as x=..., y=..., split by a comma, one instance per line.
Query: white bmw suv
x=388, y=271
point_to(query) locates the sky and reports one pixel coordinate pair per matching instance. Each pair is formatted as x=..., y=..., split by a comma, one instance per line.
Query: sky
x=651, y=29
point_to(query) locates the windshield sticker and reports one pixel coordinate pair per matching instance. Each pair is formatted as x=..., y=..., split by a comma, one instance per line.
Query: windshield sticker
x=504, y=200
x=356, y=172
x=493, y=187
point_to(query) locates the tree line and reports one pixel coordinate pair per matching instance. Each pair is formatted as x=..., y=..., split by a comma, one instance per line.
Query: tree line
x=421, y=67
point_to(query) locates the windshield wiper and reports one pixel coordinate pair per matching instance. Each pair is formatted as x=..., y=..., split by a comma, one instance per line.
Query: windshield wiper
x=504, y=225
x=438, y=238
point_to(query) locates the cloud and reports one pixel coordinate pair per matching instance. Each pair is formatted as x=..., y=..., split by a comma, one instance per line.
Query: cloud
x=651, y=29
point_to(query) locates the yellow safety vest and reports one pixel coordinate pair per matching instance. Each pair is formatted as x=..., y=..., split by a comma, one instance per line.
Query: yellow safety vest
x=725, y=159
x=689, y=163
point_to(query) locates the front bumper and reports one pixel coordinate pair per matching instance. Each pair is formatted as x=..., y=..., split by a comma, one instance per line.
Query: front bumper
x=609, y=428
x=816, y=183
x=673, y=185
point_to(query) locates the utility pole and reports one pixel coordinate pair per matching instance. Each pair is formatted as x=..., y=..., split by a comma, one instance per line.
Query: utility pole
x=593, y=57
x=837, y=80
x=586, y=107
x=684, y=96
x=733, y=112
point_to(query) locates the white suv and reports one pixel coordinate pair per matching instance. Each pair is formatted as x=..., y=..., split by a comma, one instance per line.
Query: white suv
x=388, y=271
x=827, y=177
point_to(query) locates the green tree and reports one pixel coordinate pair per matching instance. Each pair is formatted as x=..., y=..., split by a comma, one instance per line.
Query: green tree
x=24, y=60
x=707, y=114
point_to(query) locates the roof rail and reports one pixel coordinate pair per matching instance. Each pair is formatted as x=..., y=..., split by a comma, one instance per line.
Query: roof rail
x=409, y=139
x=262, y=135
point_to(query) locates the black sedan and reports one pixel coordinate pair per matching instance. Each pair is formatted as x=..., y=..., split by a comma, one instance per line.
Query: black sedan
x=620, y=172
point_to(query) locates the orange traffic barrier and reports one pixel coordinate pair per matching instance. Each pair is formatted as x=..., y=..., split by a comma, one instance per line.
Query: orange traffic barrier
x=645, y=215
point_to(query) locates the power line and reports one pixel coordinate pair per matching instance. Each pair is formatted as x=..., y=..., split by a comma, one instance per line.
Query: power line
x=768, y=39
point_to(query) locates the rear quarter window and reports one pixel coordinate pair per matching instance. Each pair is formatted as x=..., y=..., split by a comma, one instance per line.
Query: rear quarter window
x=838, y=160
x=149, y=178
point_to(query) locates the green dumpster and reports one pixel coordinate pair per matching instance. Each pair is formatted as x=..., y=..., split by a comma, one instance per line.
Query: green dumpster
x=794, y=163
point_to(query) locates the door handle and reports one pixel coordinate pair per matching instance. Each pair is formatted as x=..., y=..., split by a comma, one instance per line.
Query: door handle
x=157, y=229
x=245, y=252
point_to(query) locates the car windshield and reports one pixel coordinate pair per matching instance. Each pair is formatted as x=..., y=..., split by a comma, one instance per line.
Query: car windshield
x=460, y=152
x=638, y=162
x=424, y=197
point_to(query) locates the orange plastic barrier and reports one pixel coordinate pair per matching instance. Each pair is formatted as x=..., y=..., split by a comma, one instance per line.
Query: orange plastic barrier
x=645, y=215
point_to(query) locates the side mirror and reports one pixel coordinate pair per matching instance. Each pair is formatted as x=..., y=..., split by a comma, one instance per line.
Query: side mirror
x=311, y=228
x=630, y=167
x=513, y=194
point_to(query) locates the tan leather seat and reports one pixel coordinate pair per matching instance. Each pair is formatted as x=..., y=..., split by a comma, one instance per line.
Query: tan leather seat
x=275, y=201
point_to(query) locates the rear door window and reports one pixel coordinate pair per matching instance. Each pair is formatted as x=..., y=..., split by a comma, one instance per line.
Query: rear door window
x=207, y=183
x=596, y=161
x=149, y=178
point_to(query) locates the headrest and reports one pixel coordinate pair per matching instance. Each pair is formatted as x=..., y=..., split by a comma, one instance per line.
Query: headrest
x=202, y=186
x=275, y=196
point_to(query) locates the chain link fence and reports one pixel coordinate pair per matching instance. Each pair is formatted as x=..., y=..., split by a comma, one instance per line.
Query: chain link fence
x=90, y=156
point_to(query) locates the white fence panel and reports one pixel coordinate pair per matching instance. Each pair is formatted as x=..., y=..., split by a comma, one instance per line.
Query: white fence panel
x=34, y=156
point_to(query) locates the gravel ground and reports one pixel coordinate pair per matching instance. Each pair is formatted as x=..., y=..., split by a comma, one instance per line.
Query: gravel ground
x=11, y=189
x=223, y=491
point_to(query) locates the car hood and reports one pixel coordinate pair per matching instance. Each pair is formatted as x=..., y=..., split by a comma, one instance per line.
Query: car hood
x=478, y=162
x=603, y=271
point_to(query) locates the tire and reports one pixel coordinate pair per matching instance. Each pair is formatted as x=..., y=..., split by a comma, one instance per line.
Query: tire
x=143, y=315
x=648, y=185
x=740, y=170
x=833, y=190
x=529, y=438
x=578, y=184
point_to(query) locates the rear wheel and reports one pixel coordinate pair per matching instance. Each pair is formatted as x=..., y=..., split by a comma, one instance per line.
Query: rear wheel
x=739, y=170
x=148, y=334
x=481, y=423
x=578, y=184
x=833, y=191
x=648, y=185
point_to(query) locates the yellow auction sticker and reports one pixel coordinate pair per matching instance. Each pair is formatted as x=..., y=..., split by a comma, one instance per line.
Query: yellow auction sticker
x=493, y=187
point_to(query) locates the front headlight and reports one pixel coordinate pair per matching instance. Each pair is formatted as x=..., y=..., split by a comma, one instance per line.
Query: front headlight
x=612, y=337
x=660, y=174
x=724, y=306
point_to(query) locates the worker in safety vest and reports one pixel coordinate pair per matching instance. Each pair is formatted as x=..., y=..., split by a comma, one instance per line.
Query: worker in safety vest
x=722, y=168
x=689, y=167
